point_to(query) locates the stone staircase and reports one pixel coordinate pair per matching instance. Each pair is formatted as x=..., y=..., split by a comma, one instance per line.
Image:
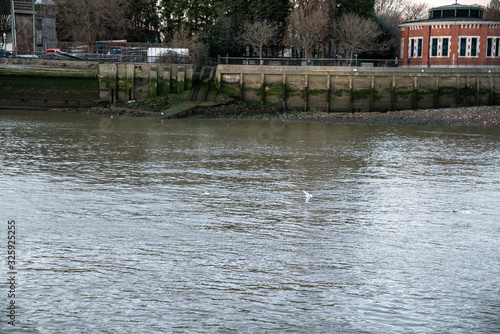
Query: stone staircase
x=204, y=94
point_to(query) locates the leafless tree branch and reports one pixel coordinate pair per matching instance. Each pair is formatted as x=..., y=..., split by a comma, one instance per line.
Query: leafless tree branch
x=90, y=20
x=308, y=26
x=357, y=34
x=257, y=34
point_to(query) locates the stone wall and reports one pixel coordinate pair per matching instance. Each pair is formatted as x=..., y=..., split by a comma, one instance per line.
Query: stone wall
x=48, y=84
x=347, y=89
x=125, y=82
x=38, y=83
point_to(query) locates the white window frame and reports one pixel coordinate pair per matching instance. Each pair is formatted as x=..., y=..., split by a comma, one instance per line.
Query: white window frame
x=415, y=47
x=440, y=46
x=402, y=51
x=494, y=51
x=468, y=46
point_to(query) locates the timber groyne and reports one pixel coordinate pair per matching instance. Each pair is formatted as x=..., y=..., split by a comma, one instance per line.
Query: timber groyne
x=53, y=84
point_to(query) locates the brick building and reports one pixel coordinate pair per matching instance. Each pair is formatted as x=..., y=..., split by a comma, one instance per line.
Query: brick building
x=454, y=35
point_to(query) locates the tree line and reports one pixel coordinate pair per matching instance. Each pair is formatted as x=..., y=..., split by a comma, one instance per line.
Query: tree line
x=304, y=28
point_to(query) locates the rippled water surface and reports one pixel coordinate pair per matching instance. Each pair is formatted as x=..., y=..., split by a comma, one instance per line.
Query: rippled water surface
x=115, y=235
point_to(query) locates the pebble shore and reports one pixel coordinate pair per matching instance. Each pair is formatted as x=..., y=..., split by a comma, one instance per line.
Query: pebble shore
x=464, y=116
x=483, y=116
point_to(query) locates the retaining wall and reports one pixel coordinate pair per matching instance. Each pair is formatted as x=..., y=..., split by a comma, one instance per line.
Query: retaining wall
x=48, y=84
x=38, y=83
x=125, y=82
x=52, y=84
x=348, y=89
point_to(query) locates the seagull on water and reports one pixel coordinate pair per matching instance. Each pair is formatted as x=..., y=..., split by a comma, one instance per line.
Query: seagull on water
x=308, y=196
x=205, y=194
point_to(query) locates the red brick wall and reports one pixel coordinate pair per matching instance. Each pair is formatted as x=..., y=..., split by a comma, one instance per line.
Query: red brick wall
x=454, y=32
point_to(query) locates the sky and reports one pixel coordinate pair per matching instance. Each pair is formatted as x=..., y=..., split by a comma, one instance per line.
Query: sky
x=437, y=3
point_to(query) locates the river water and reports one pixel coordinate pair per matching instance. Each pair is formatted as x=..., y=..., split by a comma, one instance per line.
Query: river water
x=115, y=235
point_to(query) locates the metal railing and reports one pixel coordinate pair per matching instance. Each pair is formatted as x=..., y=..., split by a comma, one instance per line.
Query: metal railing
x=131, y=54
x=308, y=62
x=433, y=62
x=446, y=62
x=96, y=57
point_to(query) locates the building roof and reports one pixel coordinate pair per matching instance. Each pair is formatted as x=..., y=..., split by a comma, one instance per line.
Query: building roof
x=453, y=12
x=456, y=11
x=457, y=5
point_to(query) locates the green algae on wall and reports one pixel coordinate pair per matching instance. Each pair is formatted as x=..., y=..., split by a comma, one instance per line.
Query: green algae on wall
x=337, y=88
x=124, y=82
x=49, y=92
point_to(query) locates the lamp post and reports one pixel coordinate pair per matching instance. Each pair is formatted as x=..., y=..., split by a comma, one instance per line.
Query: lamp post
x=34, y=28
x=14, y=32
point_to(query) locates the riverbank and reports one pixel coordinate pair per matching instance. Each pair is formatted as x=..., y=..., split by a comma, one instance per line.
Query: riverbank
x=487, y=116
x=134, y=108
x=463, y=116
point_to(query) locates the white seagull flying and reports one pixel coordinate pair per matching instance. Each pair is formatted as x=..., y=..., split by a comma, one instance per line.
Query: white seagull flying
x=308, y=196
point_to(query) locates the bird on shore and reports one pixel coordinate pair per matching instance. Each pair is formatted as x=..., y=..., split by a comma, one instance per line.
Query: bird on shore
x=308, y=196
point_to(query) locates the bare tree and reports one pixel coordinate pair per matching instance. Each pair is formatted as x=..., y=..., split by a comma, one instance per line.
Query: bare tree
x=389, y=7
x=492, y=12
x=404, y=10
x=257, y=34
x=389, y=13
x=414, y=11
x=357, y=34
x=183, y=38
x=90, y=20
x=308, y=26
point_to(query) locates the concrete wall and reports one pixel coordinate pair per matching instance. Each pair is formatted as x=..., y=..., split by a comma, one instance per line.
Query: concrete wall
x=58, y=84
x=125, y=82
x=360, y=89
x=48, y=84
